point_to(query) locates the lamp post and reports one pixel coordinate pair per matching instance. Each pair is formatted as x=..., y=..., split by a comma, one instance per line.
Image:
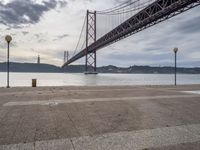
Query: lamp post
x=175, y=52
x=8, y=39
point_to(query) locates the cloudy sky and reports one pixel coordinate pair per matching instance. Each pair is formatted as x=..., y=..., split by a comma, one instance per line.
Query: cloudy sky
x=48, y=27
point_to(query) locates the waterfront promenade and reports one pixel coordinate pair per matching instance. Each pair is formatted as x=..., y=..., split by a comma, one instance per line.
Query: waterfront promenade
x=100, y=118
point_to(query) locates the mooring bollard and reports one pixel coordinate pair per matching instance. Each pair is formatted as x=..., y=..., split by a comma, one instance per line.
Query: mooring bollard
x=34, y=82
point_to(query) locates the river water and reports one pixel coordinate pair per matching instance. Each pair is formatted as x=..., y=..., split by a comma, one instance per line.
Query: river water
x=68, y=79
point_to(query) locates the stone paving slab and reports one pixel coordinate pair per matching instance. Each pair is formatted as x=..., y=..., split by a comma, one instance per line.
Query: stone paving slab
x=57, y=102
x=133, y=140
x=92, y=117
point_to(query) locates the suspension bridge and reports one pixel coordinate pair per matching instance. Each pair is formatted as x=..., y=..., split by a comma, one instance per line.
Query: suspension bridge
x=102, y=28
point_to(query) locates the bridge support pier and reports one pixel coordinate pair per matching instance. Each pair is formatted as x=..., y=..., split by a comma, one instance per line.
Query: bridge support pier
x=90, y=57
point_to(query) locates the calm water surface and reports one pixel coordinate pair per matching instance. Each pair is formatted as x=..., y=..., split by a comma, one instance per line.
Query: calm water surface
x=65, y=79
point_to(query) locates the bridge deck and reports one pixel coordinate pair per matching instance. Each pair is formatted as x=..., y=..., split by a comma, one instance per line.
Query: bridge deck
x=158, y=11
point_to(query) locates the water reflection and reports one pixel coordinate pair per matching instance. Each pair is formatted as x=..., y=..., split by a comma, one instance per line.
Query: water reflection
x=59, y=79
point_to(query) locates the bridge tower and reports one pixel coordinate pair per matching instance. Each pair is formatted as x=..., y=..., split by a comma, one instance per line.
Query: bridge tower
x=90, y=58
x=66, y=56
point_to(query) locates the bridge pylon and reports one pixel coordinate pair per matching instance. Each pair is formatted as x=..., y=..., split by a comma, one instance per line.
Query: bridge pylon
x=90, y=57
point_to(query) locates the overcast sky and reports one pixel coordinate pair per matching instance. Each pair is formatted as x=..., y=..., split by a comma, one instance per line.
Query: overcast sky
x=48, y=27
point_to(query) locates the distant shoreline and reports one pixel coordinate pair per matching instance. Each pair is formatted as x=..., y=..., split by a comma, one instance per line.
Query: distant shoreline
x=47, y=68
x=106, y=73
x=72, y=87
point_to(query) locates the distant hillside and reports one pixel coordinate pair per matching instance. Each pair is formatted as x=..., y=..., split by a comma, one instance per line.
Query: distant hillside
x=147, y=70
x=45, y=68
x=74, y=69
x=134, y=69
x=29, y=67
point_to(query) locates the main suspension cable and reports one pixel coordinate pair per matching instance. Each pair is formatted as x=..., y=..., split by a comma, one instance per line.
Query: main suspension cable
x=122, y=7
x=141, y=6
x=80, y=37
x=109, y=9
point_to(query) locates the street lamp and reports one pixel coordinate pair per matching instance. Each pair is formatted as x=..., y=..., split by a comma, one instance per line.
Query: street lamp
x=175, y=52
x=8, y=39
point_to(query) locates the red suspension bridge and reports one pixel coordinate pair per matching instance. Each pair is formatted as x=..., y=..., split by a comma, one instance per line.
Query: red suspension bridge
x=102, y=28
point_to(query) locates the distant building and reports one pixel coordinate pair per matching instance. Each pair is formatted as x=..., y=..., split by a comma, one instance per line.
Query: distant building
x=38, y=60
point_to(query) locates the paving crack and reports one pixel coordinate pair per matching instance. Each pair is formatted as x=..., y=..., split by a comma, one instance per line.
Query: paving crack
x=72, y=144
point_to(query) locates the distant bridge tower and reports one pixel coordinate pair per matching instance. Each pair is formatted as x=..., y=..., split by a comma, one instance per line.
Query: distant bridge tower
x=38, y=59
x=90, y=58
x=65, y=53
x=66, y=56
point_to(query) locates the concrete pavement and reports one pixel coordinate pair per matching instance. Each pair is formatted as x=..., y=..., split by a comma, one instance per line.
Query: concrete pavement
x=124, y=117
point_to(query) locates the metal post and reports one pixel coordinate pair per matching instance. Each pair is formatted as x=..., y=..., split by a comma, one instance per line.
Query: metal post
x=175, y=69
x=95, y=38
x=8, y=65
x=86, y=51
x=175, y=53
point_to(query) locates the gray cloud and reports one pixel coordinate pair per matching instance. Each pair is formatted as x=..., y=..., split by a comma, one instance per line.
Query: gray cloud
x=61, y=37
x=189, y=26
x=62, y=3
x=41, y=40
x=25, y=32
x=21, y=12
x=38, y=35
